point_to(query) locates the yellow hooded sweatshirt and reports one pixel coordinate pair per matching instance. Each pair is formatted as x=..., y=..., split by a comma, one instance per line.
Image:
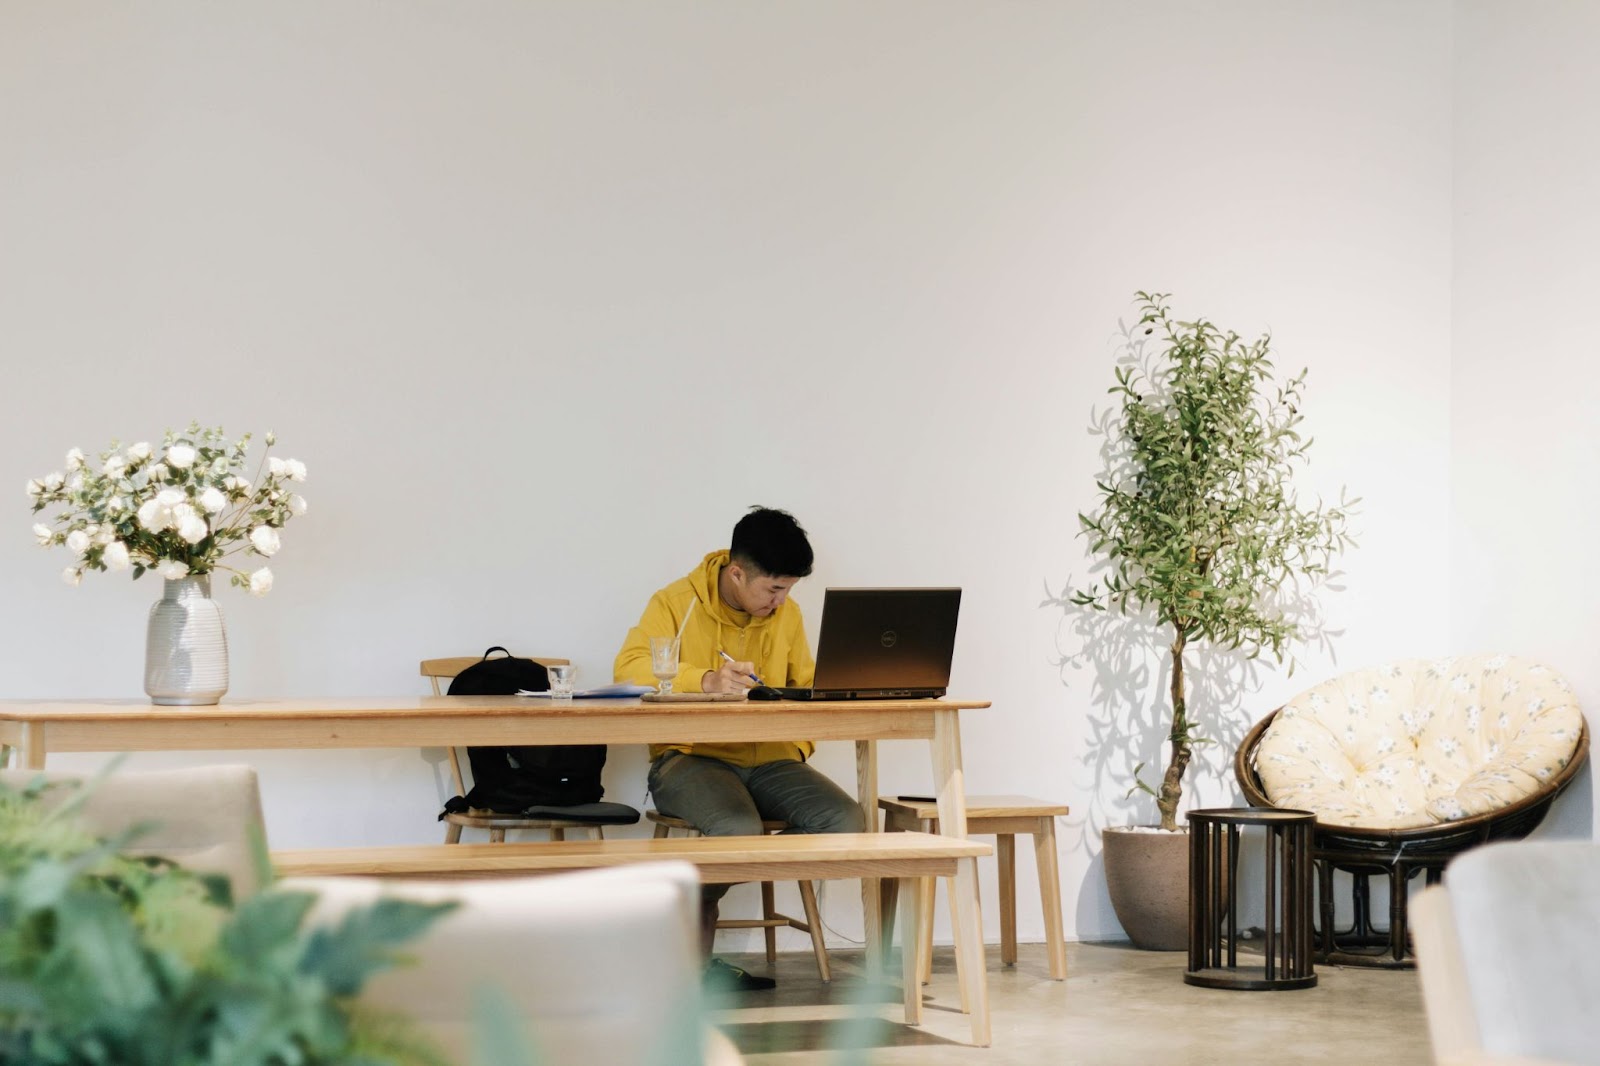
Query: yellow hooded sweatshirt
x=776, y=644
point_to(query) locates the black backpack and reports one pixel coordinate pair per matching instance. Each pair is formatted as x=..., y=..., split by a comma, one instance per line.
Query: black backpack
x=512, y=779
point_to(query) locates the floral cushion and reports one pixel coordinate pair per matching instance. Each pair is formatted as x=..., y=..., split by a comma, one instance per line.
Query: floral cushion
x=1421, y=741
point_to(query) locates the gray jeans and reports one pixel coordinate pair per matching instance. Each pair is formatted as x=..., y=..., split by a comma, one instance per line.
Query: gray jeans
x=721, y=799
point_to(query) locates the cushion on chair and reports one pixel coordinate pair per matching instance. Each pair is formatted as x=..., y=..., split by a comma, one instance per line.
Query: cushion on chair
x=1419, y=742
x=594, y=813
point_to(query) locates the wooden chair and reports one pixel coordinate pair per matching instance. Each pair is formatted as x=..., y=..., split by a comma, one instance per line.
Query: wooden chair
x=1005, y=817
x=437, y=670
x=771, y=920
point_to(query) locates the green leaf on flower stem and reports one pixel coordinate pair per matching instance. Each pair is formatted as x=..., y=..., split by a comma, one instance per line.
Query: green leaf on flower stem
x=498, y=1032
x=42, y=885
x=98, y=935
x=262, y=928
x=363, y=942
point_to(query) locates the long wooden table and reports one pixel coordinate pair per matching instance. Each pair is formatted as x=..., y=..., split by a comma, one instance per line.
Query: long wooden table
x=35, y=728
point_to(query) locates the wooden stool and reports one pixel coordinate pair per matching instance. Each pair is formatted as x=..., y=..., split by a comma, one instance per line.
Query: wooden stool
x=1005, y=817
x=770, y=921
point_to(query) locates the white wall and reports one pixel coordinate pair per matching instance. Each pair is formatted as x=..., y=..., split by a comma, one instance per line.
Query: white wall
x=546, y=294
x=1525, y=495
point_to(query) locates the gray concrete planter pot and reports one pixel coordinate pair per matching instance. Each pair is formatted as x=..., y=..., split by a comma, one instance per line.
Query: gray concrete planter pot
x=1147, y=874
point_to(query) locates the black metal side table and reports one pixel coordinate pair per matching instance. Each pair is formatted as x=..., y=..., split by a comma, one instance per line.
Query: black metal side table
x=1214, y=876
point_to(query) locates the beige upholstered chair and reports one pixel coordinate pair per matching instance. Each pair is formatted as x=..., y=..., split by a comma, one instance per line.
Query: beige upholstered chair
x=771, y=919
x=1508, y=952
x=206, y=818
x=599, y=967
x=437, y=670
x=1408, y=764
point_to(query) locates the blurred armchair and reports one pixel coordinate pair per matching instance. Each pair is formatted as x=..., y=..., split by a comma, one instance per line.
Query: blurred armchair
x=206, y=818
x=598, y=967
x=1508, y=952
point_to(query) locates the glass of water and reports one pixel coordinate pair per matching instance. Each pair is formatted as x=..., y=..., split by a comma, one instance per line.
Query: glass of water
x=664, y=662
x=562, y=675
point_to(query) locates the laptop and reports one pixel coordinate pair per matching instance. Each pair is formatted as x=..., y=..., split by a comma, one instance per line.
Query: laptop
x=882, y=644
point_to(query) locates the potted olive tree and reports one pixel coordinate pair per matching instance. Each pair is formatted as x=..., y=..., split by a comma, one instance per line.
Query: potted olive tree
x=1200, y=533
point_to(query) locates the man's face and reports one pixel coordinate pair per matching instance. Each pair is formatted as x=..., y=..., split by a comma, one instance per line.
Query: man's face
x=757, y=594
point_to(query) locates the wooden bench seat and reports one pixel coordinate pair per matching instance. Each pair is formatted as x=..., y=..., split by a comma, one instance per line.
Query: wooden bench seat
x=720, y=860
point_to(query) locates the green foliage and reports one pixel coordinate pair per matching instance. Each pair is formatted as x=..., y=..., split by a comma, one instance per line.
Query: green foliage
x=108, y=960
x=1199, y=522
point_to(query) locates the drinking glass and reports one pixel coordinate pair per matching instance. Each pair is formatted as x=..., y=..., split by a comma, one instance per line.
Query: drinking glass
x=664, y=662
x=562, y=676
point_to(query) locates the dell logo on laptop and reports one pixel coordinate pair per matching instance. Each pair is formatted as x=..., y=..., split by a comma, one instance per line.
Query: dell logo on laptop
x=889, y=638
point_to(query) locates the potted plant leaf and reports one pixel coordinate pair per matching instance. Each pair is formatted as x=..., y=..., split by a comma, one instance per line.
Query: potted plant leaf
x=1199, y=533
x=106, y=958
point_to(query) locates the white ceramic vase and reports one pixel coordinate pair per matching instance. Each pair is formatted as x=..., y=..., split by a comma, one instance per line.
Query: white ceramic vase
x=186, y=646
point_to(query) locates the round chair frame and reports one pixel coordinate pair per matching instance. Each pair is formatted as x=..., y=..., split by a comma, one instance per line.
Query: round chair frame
x=1397, y=854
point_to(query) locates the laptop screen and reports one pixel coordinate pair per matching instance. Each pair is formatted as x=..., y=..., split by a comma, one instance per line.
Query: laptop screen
x=887, y=640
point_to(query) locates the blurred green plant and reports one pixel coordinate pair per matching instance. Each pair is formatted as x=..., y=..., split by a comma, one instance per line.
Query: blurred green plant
x=1198, y=521
x=109, y=960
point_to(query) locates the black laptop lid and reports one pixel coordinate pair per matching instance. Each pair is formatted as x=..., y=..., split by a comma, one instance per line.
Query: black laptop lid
x=886, y=641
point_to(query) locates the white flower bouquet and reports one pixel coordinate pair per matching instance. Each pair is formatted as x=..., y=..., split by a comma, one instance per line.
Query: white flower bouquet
x=179, y=511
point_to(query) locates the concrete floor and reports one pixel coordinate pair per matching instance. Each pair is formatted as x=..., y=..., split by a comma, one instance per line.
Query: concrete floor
x=1117, y=1006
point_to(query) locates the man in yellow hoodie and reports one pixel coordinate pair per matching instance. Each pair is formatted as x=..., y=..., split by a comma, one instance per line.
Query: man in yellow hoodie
x=739, y=629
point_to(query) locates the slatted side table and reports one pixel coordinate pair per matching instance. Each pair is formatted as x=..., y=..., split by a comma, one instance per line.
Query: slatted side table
x=1214, y=878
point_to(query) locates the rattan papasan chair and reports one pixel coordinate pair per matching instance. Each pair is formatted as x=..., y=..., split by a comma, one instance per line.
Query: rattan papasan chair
x=1407, y=765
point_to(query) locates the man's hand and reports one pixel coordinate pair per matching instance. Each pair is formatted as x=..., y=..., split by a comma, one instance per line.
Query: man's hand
x=731, y=677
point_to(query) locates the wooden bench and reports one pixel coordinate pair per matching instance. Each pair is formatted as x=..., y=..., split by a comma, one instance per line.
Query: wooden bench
x=720, y=860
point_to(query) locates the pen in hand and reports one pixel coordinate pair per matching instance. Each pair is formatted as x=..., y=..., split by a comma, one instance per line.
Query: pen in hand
x=728, y=658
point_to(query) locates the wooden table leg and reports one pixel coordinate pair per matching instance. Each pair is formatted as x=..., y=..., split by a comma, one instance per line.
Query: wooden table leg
x=969, y=949
x=948, y=784
x=911, y=948
x=1045, y=858
x=961, y=961
x=950, y=787
x=32, y=746
x=1006, y=856
x=867, y=793
x=888, y=900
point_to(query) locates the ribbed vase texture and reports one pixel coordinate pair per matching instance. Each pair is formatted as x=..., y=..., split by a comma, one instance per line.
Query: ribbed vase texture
x=186, y=646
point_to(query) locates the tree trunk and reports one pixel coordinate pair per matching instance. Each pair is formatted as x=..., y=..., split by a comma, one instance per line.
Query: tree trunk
x=1172, y=781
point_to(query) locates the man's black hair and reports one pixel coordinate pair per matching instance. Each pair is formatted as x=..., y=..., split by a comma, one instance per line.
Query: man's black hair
x=771, y=542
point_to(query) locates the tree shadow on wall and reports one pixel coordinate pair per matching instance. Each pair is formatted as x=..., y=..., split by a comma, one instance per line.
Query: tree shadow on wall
x=1129, y=712
x=1129, y=664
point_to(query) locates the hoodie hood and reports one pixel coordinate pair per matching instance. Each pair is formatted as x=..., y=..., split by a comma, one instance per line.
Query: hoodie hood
x=707, y=585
